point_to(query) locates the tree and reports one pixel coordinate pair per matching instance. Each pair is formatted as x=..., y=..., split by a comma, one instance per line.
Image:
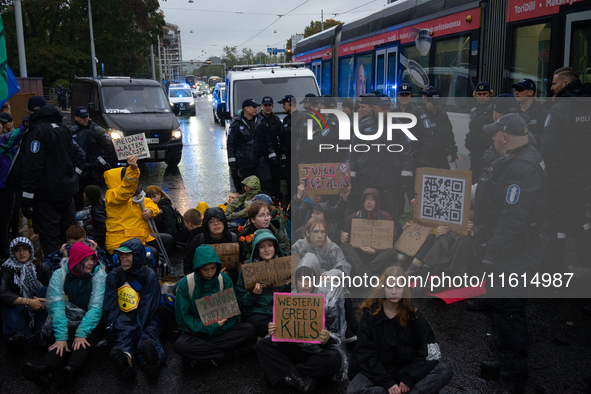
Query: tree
x=316, y=26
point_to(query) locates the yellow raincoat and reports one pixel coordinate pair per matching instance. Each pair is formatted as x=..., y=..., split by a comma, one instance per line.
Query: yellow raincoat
x=124, y=217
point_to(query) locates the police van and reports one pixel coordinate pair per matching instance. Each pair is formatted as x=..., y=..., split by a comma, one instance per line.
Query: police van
x=181, y=99
x=257, y=81
x=219, y=97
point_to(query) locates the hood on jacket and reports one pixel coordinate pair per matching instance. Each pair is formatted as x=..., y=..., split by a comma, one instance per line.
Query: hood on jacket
x=218, y=213
x=202, y=207
x=373, y=215
x=46, y=114
x=261, y=235
x=113, y=177
x=22, y=241
x=254, y=183
x=78, y=252
x=205, y=254
x=139, y=252
x=308, y=261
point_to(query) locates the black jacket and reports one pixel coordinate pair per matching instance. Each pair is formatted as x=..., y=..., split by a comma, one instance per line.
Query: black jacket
x=510, y=202
x=442, y=141
x=44, y=166
x=275, y=125
x=9, y=291
x=388, y=354
x=477, y=141
x=535, y=116
x=98, y=147
x=98, y=214
x=166, y=220
x=421, y=131
x=285, y=135
x=249, y=144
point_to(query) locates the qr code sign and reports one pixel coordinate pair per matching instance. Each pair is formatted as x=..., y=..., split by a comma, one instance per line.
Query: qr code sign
x=443, y=199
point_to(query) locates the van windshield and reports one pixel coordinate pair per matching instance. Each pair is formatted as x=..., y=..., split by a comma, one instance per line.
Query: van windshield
x=179, y=93
x=134, y=99
x=274, y=87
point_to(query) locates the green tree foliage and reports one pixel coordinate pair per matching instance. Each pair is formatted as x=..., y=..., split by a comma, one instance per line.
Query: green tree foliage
x=316, y=26
x=57, y=37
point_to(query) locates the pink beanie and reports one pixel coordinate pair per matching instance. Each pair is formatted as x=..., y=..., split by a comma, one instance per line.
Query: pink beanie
x=78, y=252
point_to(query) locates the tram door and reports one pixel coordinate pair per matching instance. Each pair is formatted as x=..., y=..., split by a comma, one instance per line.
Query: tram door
x=577, y=48
x=386, y=64
x=317, y=70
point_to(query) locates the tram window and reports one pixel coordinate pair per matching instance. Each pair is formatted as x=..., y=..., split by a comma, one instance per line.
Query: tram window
x=531, y=55
x=346, y=77
x=581, y=49
x=363, y=82
x=451, y=70
x=326, y=77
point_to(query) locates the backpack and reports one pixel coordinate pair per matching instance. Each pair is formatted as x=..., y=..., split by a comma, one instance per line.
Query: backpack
x=191, y=284
x=150, y=262
x=165, y=314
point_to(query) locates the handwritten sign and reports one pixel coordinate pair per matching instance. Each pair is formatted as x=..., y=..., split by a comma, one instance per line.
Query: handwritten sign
x=270, y=273
x=299, y=317
x=132, y=145
x=412, y=238
x=229, y=254
x=218, y=306
x=325, y=178
x=443, y=198
x=375, y=234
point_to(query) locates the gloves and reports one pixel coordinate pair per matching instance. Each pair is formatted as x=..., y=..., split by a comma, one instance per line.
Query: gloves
x=324, y=336
x=27, y=207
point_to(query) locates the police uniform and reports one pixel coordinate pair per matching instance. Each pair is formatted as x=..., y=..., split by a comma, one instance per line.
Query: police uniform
x=441, y=142
x=476, y=140
x=274, y=128
x=535, y=114
x=510, y=205
x=285, y=141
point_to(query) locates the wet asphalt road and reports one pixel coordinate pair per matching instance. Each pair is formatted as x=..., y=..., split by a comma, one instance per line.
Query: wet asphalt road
x=560, y=333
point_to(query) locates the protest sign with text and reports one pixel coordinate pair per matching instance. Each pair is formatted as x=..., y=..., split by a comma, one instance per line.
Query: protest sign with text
x=229, y=254
x=299, y=317
x=269, y=273
x=412, y=238
x=132, y=145
x=218, y=306
x=375, y=234
x=325, y=178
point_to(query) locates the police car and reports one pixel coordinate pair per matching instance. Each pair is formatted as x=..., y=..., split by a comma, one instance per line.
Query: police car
x=181, y=99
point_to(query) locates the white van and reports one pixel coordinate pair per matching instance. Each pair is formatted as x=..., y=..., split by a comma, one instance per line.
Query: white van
x=219, y=97
x=257, y=81
x=181, y=99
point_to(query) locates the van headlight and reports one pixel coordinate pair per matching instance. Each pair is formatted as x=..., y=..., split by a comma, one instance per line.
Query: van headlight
x=192, y=103
x=176, y=134
x=115, y=134
x=171, y=104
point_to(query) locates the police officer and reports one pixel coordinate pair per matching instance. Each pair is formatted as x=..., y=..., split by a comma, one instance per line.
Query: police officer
x=274, y=128
x=307, y=150
x=99, y=151
x=510, y=204
x=61, y=97
x=477, y=142
x=292, y=114
x=441, y=142
x=531, y=110
x=565, y=147
x=424, y=95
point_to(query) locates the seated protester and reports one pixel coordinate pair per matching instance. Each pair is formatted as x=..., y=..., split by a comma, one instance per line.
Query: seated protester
x=202, y=207
x=259, y=217
x=75, y=304
x=299, y=365
x=193, y=220
x=23, y=285
x=98, y=215
x=365, y=260
x=134, y=327
x=125, y=219
x=231, y=198
x=77, y=233
x=396, y=350
x=166, y=219
x=302, y=209
x=199, y=343
x=238, y=208
x=256, y=304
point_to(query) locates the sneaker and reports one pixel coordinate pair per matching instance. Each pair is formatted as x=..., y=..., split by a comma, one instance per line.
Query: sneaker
x=122, y=364
x=150, y=359
x=67, y=375
x=303, y=384
x=36, y=375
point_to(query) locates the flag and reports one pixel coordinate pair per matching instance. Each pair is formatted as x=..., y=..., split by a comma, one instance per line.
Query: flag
x=8, y=84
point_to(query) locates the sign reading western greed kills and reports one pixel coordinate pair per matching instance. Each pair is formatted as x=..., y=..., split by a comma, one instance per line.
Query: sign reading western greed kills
x=325, y=178
x=218, y=306
x=298, y=317
x=229, y=254
x=375, y=234
x=412, y=238
x=132, y=145
x=270, y=273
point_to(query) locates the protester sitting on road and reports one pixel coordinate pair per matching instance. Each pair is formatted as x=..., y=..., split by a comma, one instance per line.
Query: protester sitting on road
x=132, y=296
x=299, y=365
x=259, y=216
x=256, y=304
x=363, y=259
x=199, y=343
x=167, y=219
x=77, y=233
x=75, y=303
x=97, y=229
x=193, y=220
x=23, y=285
x=125, y=219
x=396, y=350
x=237, y=210
x=231, y=198
x=202, y=207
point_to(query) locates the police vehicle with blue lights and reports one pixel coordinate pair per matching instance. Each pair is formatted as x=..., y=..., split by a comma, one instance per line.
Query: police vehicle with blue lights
x=181, y=99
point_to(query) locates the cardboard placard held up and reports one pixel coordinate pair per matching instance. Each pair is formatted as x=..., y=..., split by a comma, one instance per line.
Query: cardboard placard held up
x=412, y=238
x=325, y=178
x=375, y=234
x=271, y=273
x=443, y=198
x=229, y=254
x=218, y=306
x=132, y=145
x=299, y=317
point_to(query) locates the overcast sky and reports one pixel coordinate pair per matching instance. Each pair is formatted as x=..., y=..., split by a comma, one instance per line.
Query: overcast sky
x=252, y=24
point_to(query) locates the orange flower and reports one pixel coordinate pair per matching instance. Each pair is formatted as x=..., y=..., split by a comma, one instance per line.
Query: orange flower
x=240, y=228
x=241, y=239
x=249, y=238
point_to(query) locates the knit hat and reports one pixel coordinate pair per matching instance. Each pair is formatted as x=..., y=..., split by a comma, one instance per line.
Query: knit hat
x=93, y=193
x=78, y=252
x=264, y=198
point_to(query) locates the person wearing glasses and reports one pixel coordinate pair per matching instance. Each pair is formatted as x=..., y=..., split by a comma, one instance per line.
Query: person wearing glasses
x=259, y=216
x=530, y=109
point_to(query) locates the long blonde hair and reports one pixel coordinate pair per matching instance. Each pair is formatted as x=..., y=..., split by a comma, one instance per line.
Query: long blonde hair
x=377, y=297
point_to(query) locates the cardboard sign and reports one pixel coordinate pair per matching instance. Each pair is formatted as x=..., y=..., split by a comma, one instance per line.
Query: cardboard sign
x=412, y=238
x=229, y=254
x=271, y=273
x=132, y=145
x=325, y=178
x=443, y=198
x=299, y=317
x=218, y=306
x=375, y=234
